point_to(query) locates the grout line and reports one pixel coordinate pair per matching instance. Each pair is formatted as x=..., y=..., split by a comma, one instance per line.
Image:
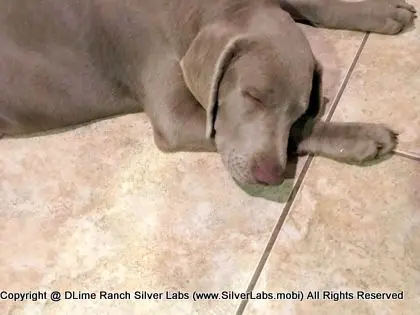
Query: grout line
x=346, y=78
x=408, y=155
x=274, y=234
x=279, y=224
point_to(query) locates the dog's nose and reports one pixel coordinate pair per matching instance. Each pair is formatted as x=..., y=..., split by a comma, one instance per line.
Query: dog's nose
x=268, y=172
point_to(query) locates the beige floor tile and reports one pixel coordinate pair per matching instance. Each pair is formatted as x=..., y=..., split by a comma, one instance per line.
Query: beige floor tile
x=385, y=87
x=99, y=208
x=350, y=229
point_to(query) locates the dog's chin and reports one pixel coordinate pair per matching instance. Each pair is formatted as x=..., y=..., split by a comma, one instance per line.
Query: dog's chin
x=244, y=181
x=242, y=176
x=239, y=168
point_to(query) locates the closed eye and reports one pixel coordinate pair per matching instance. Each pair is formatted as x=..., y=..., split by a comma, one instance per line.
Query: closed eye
x=252, y=95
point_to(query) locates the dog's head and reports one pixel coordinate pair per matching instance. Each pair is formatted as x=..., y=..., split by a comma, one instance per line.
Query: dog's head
x=254, y=84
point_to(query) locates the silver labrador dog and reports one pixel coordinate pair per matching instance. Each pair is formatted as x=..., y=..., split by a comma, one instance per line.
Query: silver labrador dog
x=232, y=76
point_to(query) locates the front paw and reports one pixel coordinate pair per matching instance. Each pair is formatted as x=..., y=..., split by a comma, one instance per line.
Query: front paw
x=366, y=142
x=389, y=16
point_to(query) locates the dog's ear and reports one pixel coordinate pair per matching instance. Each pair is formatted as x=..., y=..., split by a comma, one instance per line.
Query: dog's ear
x=205, y=62
x=302, y=128
x=316, y=100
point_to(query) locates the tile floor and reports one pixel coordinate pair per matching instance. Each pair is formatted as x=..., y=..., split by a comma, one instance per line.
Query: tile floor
x=99, y=208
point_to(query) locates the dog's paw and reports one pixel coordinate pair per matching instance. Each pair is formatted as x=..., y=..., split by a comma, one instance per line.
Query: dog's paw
x=389, y=16
x=367, y=143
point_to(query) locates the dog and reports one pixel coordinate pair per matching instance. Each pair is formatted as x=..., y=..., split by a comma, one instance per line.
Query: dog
x=237, y=77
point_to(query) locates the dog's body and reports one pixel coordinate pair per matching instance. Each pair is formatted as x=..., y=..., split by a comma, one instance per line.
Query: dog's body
x=226, y=75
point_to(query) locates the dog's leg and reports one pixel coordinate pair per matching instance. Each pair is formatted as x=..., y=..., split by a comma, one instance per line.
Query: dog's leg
x=348, y=142
x=379, y=16
x=178, y=120
x=181, y=129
